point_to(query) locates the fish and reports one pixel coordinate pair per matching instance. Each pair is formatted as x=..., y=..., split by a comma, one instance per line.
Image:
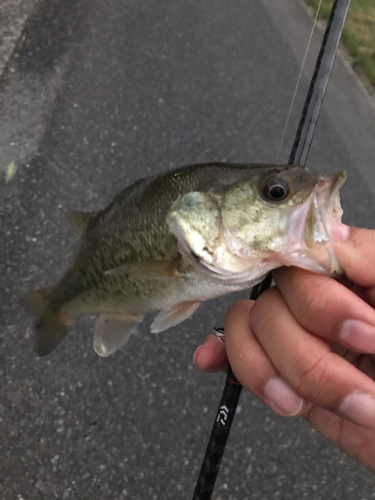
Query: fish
x=169, y=242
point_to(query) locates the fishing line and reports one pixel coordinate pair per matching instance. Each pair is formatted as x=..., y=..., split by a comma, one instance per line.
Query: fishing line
x=298, y=80
x=305, y=132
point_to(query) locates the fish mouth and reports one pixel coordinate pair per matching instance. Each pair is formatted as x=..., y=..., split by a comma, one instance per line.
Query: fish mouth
x=312, y=224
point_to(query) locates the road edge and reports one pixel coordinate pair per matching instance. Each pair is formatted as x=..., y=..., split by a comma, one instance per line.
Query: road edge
x=346, y=58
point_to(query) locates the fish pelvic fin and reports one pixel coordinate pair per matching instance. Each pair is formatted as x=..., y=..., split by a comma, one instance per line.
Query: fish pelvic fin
x=79, y=221
x=113, y=330
x=50, y=327
x=174, y=316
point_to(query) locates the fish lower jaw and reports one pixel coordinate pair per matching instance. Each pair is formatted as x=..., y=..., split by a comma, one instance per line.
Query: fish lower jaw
x=319, y=259
x=310, y=244
x=324, y=210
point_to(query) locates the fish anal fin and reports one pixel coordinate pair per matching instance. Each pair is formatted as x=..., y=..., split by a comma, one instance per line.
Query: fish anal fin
x=79, y=221
x=147, y=270
x=113, y=330
x=173, y=316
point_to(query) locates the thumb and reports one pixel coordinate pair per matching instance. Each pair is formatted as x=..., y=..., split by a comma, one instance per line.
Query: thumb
x=355, y=252
x=211, y=356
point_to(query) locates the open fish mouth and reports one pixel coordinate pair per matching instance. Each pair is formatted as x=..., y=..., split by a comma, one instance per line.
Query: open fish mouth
x=325, y=208
x=301, y=235
x=310, y=227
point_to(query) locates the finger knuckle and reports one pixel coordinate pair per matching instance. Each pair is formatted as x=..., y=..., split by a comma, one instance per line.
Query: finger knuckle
x=264, y=312
x=361, y=238
x=313, y=300
x=358, y=256
x=312, y=375
x=235, y=309
x=244, y=358
x=252, y=375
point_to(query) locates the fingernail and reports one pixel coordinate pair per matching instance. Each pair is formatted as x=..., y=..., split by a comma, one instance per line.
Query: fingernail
x=340, y=232
x=196, y=354
x=359, y=408
x=281, y=395
x=358, y=335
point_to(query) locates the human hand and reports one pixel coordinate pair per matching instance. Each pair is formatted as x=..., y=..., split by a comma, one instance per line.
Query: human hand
x=305, y=347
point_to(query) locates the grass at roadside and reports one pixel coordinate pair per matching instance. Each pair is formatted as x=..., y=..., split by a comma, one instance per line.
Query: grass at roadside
x=359, y=32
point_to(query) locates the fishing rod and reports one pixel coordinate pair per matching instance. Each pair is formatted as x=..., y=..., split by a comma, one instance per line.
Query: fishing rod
x=298, y=156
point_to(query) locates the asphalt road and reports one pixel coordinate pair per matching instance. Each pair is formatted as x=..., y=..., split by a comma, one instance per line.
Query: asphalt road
x=13, y=16
x=98, y=95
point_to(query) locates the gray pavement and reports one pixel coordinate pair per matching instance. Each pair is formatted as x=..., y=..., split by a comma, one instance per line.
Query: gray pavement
x=13, y=17
x=103, y=93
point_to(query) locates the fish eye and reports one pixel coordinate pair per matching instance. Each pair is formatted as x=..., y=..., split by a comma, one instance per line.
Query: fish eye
x=275, y=189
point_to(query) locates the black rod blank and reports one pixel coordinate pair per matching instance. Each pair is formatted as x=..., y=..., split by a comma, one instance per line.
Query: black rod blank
x=223, y=421
x=304, y=136
x=318, y=84
x=218, y=438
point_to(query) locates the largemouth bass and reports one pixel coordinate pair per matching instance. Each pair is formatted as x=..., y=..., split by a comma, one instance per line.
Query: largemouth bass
x=169, y=242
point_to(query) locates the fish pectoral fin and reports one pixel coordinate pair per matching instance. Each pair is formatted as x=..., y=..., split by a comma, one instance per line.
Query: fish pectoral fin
x=79, y=221
x=113, y=330
x=173, y=316
x=147, y=270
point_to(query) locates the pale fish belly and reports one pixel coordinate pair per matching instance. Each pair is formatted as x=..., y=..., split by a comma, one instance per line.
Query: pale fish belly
x=120, y=313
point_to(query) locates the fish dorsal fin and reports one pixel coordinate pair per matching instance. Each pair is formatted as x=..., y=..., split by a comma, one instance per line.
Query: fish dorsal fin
x=173, y=316
x=147, y=270
x=79, y=221
x=113, y=330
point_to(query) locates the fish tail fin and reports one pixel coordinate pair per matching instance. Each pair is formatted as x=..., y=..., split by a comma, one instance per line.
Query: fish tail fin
x=36, y=302
x=50, y=330
x=50, y=326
